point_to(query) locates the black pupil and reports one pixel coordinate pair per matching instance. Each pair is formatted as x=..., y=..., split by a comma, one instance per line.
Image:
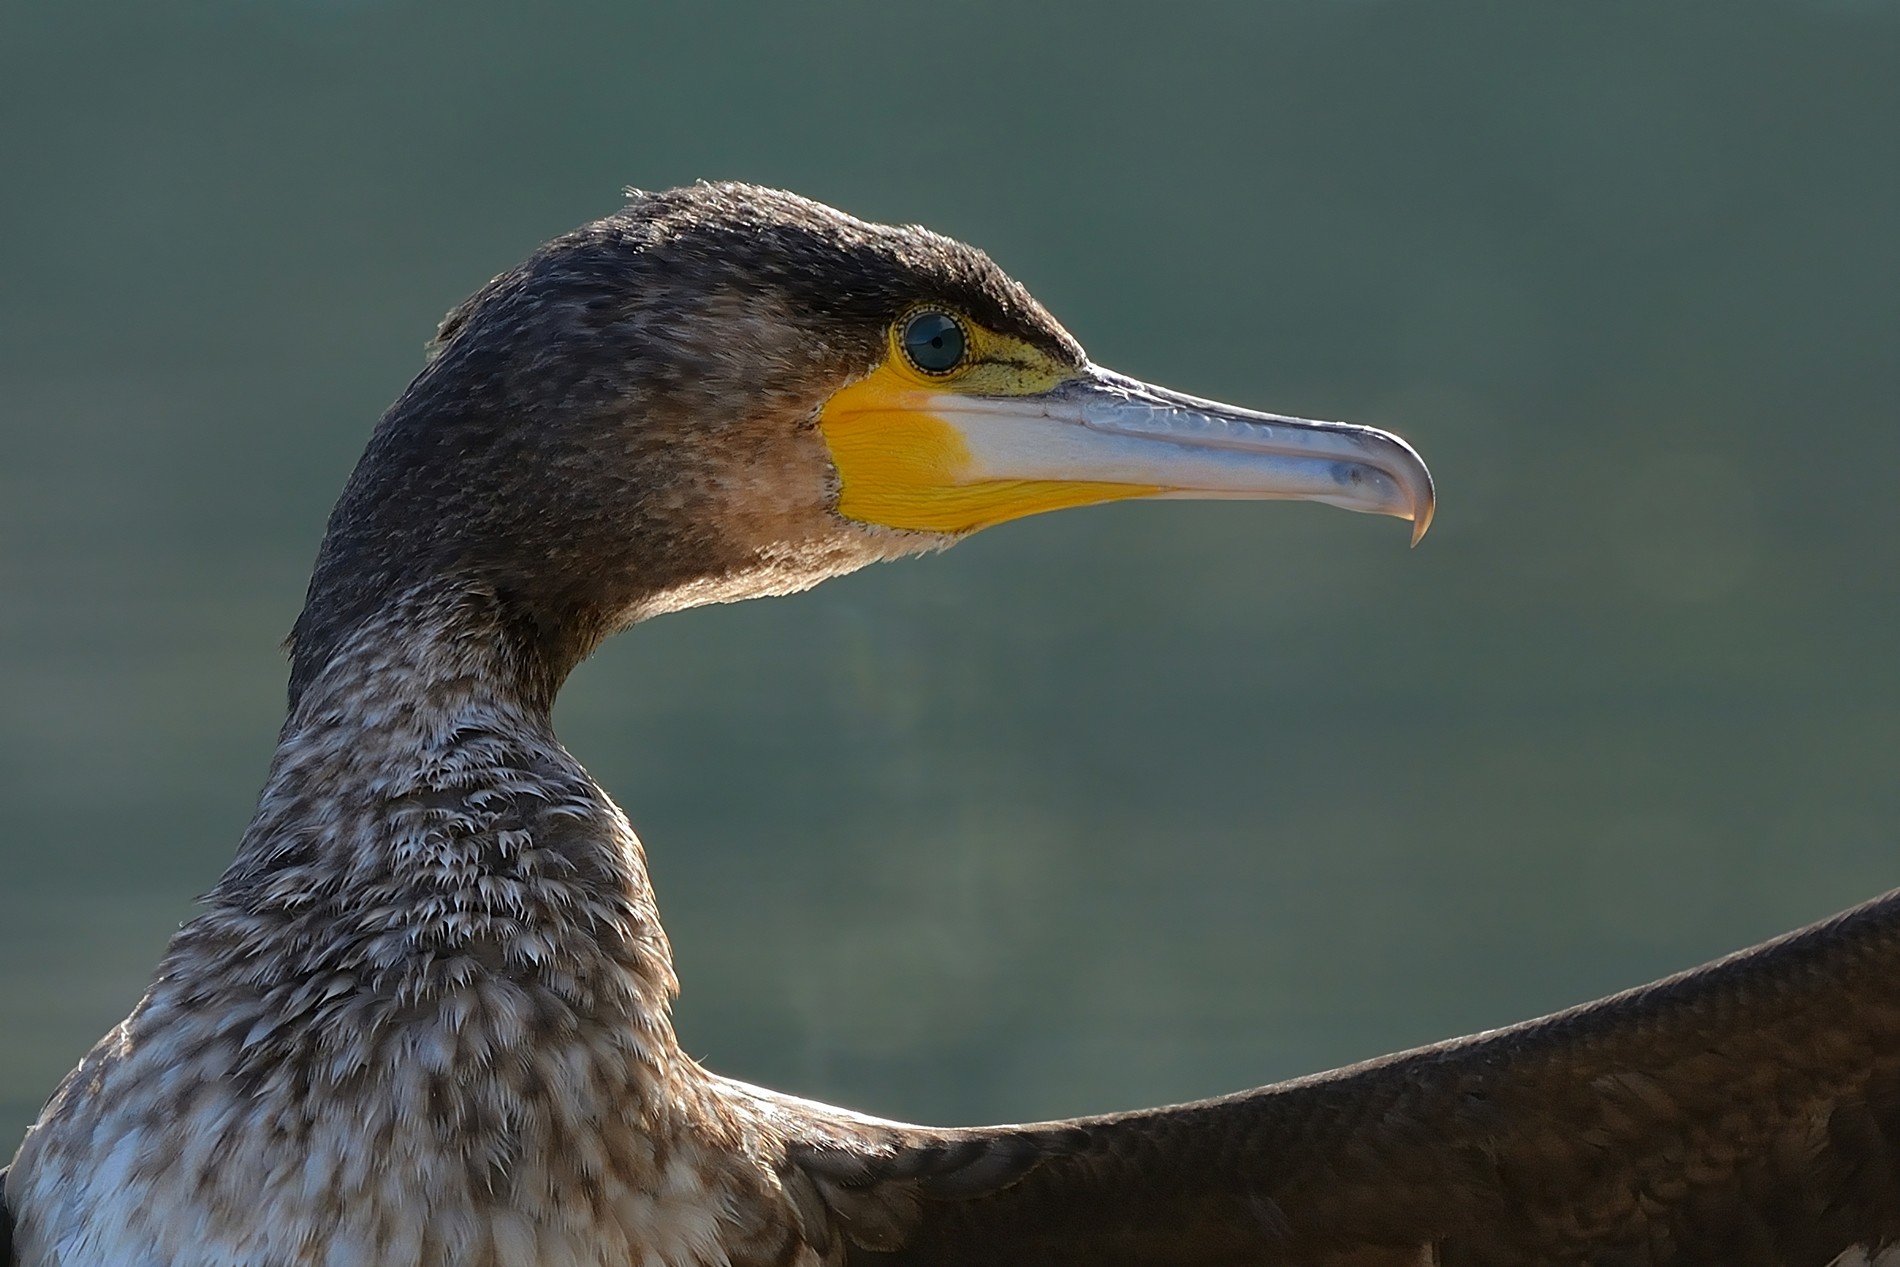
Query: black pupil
x=934, y=342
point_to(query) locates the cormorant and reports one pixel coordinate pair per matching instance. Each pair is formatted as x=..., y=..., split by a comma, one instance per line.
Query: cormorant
x=423, y=1020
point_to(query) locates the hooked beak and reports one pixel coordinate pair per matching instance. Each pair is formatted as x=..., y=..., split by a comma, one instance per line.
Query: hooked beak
x=947, y=461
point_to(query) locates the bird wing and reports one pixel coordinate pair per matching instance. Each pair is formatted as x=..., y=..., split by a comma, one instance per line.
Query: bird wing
x=1746, y=1112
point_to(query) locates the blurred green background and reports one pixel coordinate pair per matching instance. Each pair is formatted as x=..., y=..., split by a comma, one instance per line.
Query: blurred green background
x=1113, y=807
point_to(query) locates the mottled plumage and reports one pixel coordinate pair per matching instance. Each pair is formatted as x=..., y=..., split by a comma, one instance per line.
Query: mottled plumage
x=423, y=1018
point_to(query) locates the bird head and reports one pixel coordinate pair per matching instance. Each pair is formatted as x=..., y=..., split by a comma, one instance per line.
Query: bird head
x=723, y=392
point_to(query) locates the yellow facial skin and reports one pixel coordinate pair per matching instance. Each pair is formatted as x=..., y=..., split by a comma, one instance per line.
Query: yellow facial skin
x=902, y=466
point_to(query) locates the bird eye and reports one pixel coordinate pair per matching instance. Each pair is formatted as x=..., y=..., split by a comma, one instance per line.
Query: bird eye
x=933, y=341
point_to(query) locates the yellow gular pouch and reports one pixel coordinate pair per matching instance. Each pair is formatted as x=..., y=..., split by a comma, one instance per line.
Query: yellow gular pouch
x=902, y=465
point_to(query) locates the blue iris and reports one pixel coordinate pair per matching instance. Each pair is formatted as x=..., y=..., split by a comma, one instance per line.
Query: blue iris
x=934, y=342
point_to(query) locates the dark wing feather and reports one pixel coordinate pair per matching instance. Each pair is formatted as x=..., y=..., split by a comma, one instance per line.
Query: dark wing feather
x=1744, y=1113
x=6, y=1223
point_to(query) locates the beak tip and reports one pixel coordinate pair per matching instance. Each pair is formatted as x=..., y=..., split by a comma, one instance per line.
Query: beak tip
x=1424, y=498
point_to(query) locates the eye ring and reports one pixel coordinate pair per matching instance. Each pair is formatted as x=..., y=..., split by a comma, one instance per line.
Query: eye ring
x=934, y=341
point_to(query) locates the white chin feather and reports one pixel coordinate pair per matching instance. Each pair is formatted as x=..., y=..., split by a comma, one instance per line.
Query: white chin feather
x=792, y=568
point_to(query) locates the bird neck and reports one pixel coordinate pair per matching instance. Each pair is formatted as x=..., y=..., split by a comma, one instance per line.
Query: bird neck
x=426, y=846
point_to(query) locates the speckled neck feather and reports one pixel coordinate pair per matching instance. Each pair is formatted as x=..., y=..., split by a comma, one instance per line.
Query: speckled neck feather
x=428, y=1001
x=423, y=831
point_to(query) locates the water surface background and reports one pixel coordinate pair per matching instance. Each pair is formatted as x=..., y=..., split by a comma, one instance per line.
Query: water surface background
x=1113, y=807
